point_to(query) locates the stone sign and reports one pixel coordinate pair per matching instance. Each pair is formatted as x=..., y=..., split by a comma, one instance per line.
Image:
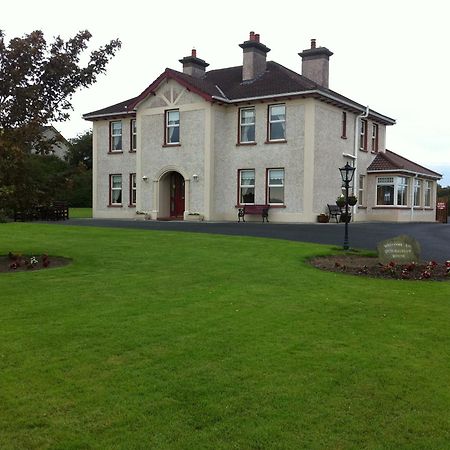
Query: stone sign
x=400, y=249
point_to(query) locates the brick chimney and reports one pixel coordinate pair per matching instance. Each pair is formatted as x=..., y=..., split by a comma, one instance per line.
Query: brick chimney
x=315, y=63
x=254, y=57
x=193, y=66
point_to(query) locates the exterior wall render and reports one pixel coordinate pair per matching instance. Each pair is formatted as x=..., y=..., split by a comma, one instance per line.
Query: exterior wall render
x=105, y=164
x=328, y=155
x=399, y=213
x=209, y=148
x=230, y=157
x=157, y=159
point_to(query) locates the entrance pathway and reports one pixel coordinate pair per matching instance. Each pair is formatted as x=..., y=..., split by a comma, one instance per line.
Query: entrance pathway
x=434, y=238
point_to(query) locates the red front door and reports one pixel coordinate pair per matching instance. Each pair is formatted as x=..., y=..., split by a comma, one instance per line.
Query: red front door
x=176, y=195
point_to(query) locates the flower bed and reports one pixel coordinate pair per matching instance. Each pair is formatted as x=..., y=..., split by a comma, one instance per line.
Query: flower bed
x=370, y=266
x=16, y=262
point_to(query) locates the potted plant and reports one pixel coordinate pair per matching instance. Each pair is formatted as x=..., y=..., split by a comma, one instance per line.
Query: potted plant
x=323, y=218
x=340, y=201
x=194, y=217
x=352, y=200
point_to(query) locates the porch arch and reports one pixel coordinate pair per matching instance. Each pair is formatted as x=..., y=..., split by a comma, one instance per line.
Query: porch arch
x=161, y=196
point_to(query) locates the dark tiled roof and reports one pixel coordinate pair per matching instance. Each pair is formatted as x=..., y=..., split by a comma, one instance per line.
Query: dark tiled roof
x=226, y=85
x=117, y=109
x=390, y=161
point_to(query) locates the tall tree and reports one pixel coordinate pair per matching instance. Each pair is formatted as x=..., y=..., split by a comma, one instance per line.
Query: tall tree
x=37, y=82
x=80, y=151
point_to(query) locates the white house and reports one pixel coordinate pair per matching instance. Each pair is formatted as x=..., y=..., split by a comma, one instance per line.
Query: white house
x=208, y=142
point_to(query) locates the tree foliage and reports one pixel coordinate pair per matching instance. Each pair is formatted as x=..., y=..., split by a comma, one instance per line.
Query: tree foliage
x=37, y=82
x=80, y=151
x=443, y=192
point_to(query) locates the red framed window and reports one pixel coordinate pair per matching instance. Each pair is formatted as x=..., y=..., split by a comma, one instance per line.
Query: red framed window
x=275, y=186
x=172, y=127
x=276, y=123
x=115, y=136
x=132, y=189
x=133, y=135
x=363, y=135
x=344, y=125
x=374, y=138
x=246, y=186
x=115, y=189
x=247, y=125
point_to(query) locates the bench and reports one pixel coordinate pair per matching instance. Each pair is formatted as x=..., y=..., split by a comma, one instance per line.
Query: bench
x=258, y=210
x=335, y=211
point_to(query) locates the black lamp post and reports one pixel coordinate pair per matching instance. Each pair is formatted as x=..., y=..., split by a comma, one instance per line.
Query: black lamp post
x=347, y=173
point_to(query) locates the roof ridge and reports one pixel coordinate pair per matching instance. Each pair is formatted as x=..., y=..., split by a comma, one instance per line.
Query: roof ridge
x=408, y=160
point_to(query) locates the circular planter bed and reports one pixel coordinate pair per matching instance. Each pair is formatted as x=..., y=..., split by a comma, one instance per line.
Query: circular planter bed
x=30, y=263
x=371, y=267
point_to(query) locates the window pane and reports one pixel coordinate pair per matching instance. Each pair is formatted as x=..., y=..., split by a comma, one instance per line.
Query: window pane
x=385, y=195
x=116, y=128
x=247, y=177
x=402, y=195
x=248, y=195
x=116, y=196
x=276, y=195
x=385, y=180
x=428, y=187
x=247, y=116
x=277, y=112
x=173, y=118
x=116, y=181
x=116, y=143
x=248, y=133
x=276, y=176
x=277, y=130
x=174, y=134
x=417, y=192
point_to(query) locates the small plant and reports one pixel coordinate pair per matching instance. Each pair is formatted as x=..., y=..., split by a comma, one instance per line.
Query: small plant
x=352, y=200
x=45, y=260
x=340, y=201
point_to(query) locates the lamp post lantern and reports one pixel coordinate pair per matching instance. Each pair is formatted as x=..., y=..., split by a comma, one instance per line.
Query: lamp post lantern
x=347, y=173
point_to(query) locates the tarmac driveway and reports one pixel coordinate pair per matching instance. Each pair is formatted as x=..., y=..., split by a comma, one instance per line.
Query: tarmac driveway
x=434, y=238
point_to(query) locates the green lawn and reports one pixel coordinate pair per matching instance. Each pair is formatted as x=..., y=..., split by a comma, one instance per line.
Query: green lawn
x=78, y=213
x=158, y=340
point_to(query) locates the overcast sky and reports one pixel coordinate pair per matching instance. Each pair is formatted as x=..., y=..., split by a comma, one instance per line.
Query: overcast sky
x=392, y=56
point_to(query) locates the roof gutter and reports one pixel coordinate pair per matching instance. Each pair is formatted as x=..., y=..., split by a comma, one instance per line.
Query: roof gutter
x=358, y=107
x=94, y=116
x=437, y=177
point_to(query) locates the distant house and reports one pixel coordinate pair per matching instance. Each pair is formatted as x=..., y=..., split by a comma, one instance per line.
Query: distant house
x=60, y=145
x=209, y=142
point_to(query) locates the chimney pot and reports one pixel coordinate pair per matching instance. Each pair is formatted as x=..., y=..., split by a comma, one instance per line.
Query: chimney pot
x=257, y=37
x=313, y=43
x=252, y=35
x=194, y=53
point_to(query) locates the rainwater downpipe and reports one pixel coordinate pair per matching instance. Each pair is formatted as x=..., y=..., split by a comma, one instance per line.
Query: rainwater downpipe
x=355, y=184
